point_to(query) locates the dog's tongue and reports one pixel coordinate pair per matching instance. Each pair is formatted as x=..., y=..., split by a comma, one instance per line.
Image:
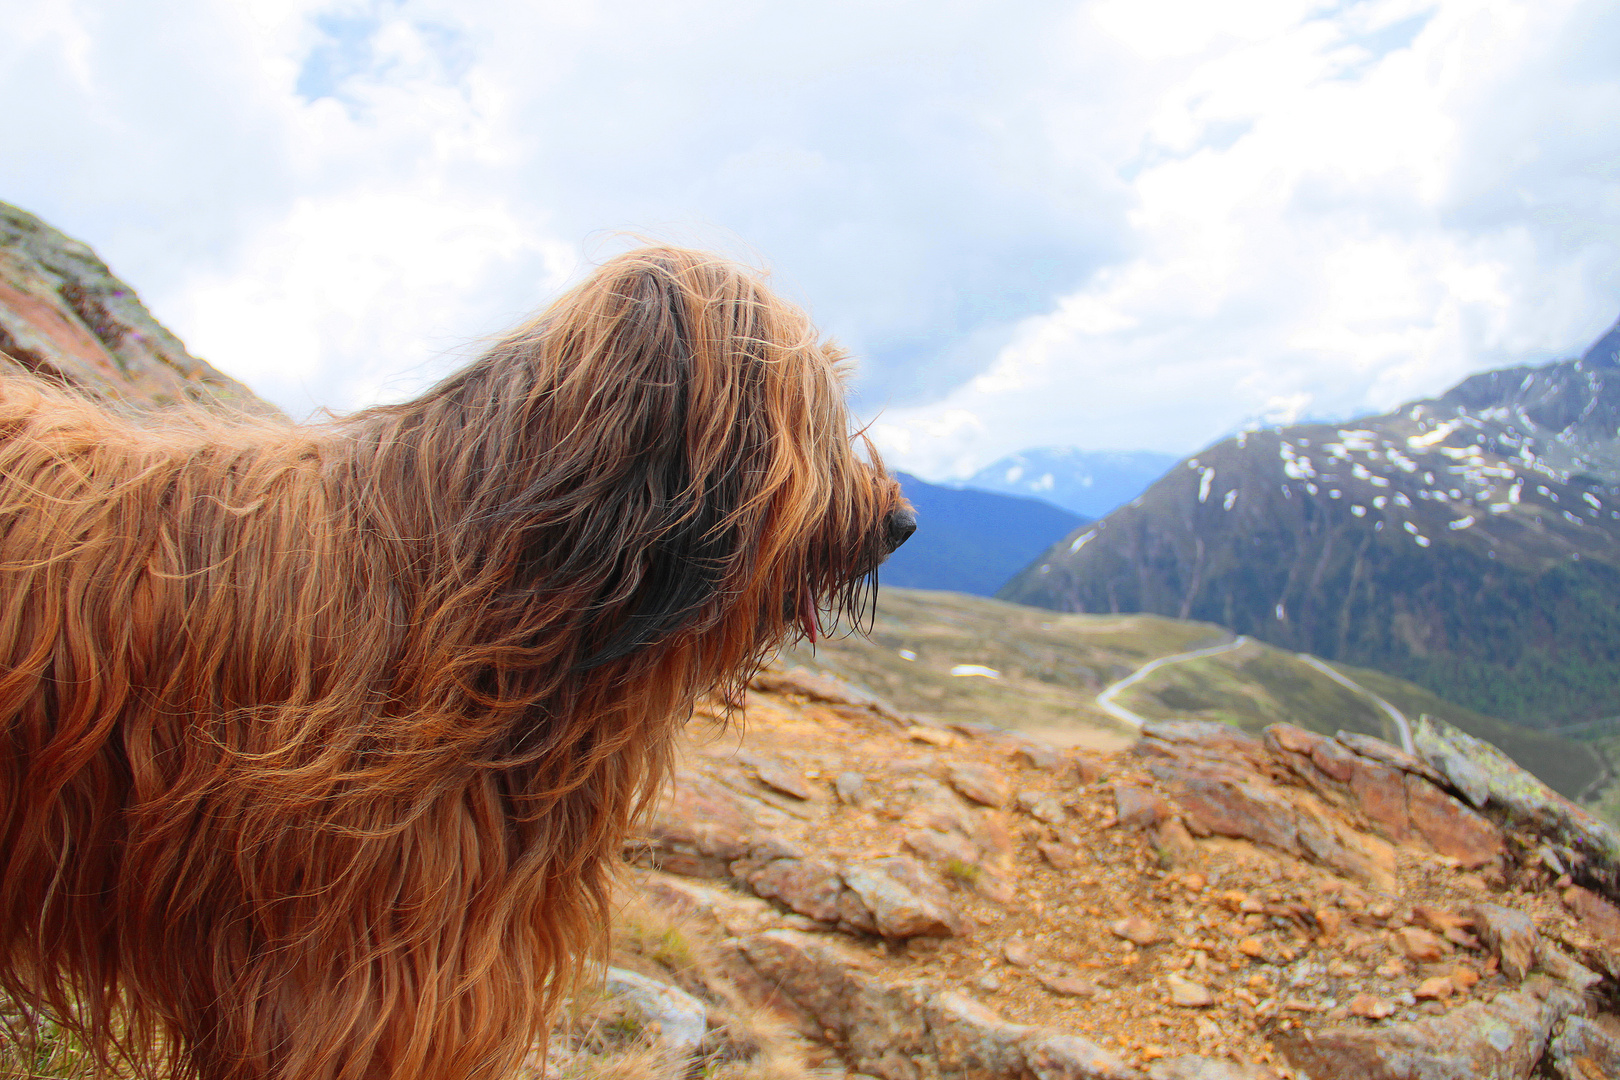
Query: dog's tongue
x=807, y=613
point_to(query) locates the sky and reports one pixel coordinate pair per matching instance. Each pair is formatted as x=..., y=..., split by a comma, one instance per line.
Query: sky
x=1111, y=224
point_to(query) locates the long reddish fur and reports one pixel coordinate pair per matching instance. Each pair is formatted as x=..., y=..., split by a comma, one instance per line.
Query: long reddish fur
x=318, y=744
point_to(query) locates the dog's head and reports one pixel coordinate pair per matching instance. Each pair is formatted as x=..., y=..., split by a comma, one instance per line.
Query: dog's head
x=692, y=478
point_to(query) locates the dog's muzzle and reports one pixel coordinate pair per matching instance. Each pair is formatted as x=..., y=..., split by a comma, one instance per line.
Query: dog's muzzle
x=898, y=526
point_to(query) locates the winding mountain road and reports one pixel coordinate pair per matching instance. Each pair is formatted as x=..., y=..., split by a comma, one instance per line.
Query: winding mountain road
x=1350, y=684
x=1105, y=700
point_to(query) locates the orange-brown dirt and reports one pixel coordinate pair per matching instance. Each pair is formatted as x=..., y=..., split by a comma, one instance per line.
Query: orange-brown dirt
x=1076, y=892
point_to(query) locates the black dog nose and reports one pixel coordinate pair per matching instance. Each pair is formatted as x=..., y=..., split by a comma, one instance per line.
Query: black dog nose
x=898, y=526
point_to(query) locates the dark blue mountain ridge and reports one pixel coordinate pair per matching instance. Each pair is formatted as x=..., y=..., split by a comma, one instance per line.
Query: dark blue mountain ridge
x=972, y=541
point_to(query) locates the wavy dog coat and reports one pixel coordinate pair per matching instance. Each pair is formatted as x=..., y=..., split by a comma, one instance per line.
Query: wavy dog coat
x=318, y=744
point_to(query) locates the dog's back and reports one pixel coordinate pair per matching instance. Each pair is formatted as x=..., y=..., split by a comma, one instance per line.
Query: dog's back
x=318, y=745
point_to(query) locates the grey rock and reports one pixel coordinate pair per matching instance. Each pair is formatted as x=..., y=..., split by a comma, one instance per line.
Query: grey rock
x=810, y=887
x=852, y=789
x=904, y=897
x=682, y=1019
x=1558, y=964
x=1464, y=775
x=1042, y=807
x=983, y=784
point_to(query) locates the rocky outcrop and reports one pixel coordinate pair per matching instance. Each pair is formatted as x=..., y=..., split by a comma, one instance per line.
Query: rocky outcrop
x=65, y=317
x=1569, y=839
x=920, y=901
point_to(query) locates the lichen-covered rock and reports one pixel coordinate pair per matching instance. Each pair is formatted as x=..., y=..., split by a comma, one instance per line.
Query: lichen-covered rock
x=1491, y=780
x=65, y=317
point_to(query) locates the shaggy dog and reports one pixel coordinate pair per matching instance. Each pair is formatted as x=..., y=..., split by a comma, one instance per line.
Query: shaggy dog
x=318, y=744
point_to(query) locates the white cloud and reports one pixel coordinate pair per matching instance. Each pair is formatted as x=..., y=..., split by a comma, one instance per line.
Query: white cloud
x=1329, y=246
x=1131, y=223
x=335, y=304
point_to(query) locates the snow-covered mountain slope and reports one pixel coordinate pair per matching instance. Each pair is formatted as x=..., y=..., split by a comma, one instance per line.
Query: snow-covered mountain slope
x=1469, y=543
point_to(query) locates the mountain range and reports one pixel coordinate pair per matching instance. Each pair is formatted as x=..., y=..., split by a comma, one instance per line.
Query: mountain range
x=1086, y=482
x=1469, y=543
x=972, y=541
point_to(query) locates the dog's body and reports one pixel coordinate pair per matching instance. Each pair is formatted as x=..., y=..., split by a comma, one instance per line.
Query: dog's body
x=317, y=744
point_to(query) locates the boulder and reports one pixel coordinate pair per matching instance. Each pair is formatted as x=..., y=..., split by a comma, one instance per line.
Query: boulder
x=1492, y=781
x=811, y=887
x=701, y=827
x=1450, y=827
x=904, y=898
x=1403, y=796
x=909, y=1030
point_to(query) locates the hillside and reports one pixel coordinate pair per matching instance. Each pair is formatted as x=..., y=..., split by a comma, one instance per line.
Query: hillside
x=972, y=541
x=1470, y=544
x=1087, y=482
x=65, y=317
x=980, y=661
